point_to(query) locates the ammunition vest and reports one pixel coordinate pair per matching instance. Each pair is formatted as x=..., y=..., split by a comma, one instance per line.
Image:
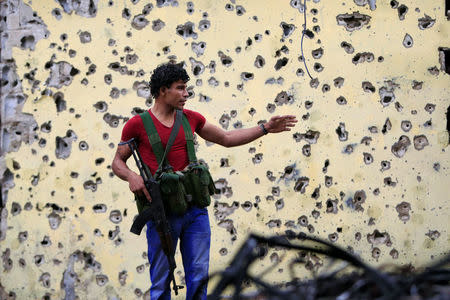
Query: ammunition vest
x=179, y=189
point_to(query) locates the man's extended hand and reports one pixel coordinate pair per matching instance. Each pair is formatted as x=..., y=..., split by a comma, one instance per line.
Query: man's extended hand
x=137, y=186
x=280, y=123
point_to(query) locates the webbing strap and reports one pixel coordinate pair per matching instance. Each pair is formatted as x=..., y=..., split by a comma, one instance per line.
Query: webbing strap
x=153, y=136
x=189, y=140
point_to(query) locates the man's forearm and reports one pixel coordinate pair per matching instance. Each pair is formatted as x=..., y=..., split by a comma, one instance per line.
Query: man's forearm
x=243, y=136
x=120, y=169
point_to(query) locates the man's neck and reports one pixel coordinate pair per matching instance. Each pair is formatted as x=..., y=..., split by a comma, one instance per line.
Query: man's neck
x=162, y=111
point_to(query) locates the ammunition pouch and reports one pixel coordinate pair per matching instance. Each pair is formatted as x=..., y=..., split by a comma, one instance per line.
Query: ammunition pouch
x=199, y=185
x=173, y=192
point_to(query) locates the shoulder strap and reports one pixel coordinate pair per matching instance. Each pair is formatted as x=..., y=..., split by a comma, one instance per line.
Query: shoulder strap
x=189, y=140
x=153, y=136
x=173, y=135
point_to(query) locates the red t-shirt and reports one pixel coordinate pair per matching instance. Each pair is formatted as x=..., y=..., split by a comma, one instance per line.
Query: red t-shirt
x=177, y=157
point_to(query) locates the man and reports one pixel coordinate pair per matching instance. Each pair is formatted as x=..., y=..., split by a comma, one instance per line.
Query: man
x=168, y=87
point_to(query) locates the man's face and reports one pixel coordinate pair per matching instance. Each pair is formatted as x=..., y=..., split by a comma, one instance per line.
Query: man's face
x=176, y=95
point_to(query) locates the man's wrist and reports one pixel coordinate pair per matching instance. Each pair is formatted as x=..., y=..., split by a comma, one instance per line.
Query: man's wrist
x=264, y=130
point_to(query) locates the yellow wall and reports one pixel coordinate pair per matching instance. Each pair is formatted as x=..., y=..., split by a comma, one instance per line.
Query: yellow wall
x=80, y=244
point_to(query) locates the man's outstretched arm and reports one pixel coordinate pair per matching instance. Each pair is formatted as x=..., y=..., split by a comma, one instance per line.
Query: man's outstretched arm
x=243, y=136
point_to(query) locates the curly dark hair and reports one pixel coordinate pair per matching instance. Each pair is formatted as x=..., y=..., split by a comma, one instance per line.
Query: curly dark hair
x=165, y=75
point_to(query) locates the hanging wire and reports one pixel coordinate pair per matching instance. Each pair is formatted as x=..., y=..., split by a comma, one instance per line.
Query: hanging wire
x=303, y=35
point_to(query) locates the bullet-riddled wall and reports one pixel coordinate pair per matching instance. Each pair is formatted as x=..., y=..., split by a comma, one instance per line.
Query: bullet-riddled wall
x=366, y=167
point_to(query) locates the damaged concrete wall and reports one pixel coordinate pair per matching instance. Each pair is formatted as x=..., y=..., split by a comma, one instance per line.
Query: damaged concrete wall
x=367, y=166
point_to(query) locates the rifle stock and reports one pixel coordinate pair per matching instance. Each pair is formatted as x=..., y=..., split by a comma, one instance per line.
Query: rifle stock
x=154, y=211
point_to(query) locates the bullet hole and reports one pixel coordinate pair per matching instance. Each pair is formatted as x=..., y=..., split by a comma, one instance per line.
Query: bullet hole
x=303, y=221
x=341, y=132
x=198, y=48
x=224, y=120
x=247, y=206
x=358, y=199
x=300, y=72
x=420, y=142
x=46, y=242
x=386, y=96
x=393, y=253
x=27, y=42
x=408, y=41
x=15, y=208
x=403, y=209
x=433, y=234
x=281, y=63
x=314, y=83
x=270, y=107
x=380, y=58
x=306, y=150
x=338, y=82
x=385, y=165
x=74, y=175
x=147, y=9
x=222, y=188
x=378, y=238
x=331, y=206
x=287, y=29
x=328, y=181
x=247, y=76
x=204, y=98
x=56, y=12
x=101, y=279
x=132, y=58
x=259, y=61
x=316, y=193
x=225, y=59
x=240, y=10
x=402, y=10
x=204, y=25
x=315, y=214
x=85, y=37
x=333, y=237
x=433, y=70
x=257, y=158
x=90, y=185
x=366, y=140
x=430, y=108
x=279, y=204
x=388, y=181
x=368, y=87
x=186, y=30
x=114, y=93
x=387, y=126
x=317, y=53
x=406, y=125
x=115, y=216
x=45, y=279
x=400, y=147
x=368, y=159
x=212, y=81
x=362, y=57
x=341, y=100
x=301, y=184
x=99, y=208
x=158, y=24
x=352, y=22
x=23, y=236
x=426, y=22
x=274, y=223
x=376, y=252
x=325, y=87
x=318, y=67
x=99, y=161
x=444, y=59
x=54, y=220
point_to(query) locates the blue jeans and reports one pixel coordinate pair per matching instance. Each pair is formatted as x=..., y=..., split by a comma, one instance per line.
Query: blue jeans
x=194, y=233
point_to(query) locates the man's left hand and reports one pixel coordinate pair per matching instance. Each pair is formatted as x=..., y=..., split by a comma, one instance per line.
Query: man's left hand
x=280, y=123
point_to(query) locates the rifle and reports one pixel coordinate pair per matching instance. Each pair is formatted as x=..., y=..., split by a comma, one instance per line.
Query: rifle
x=154, y=211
